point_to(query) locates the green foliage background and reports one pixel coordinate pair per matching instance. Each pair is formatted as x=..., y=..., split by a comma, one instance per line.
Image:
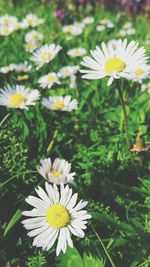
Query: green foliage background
x=113, y=180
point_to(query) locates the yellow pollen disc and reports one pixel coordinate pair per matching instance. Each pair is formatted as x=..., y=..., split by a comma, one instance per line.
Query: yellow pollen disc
x=59, y=104
x=22, y=77
x=45, y=56
x=57, y=216
x=56, y=173
x=114, y=65
x=5, y=31
x=76, y=52
x=139, y=72
x=50, y=78
x=16, y=99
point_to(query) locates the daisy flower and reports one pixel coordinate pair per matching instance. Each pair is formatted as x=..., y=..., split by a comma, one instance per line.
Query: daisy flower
x=22, y=67
x=18, y=97
x=76, y=52
x=114, y=63
x=57, y=172
x=48, y=80
x=33, y=36
x=60, y=103
x=68, y=71
x=5, y=30
x=7, y=20
x=31, y=20
x=88, y=20
x=45, y=54
x=7, y=69
x=31, y=46
x=143, y=72
x=55, y=215
x=72, y=29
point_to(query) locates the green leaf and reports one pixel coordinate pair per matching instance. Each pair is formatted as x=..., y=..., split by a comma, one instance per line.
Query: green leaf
x=70, y=259
x=16, y=217
x=121, y=226
x=90, y=261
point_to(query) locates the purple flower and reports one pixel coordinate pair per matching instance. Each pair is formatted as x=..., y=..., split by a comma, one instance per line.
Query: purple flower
x=60, y=14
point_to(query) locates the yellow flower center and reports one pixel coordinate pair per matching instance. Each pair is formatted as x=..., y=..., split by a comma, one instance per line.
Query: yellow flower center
x=59, y=104
x=114, y=65
x=57, y=216
x=16, y=99
x=56, y=173
x=22, y=77
x=50, y=78
x=45, y=56
x=5, y=30
x=76, y=52
x=139, y=72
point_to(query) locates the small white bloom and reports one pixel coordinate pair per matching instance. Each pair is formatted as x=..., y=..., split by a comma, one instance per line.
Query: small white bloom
x=88, y=20
x=57, y=172
x=45, y=54
x=7, y=69
x=77, y=52
x=48, y=80
x=114, y=63
x=72, y=29
x=68, y=71
x=140, y=73
x=21, y=67
x=31, y=46
x=146, y=87
x=5, y=30
x=18, y=97
x=31, y=20
x=33, y=36
x=100, y=28
x=55, y=216
x=60, y=103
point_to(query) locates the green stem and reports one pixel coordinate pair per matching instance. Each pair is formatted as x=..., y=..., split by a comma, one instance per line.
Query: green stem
x=5, y=118
x=49, y=148
x=124, y=112
x=11, y=178
x=103, y=246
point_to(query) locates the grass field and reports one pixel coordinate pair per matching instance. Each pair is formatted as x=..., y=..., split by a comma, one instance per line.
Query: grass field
x=112, y=177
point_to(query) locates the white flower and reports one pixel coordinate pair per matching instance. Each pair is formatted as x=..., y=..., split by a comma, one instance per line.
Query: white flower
x=33, y=36
x=7, y=69
x=7, y=20
x=124, y=32
x=68, y=71
x=18, y=97
x=145, y=87
x=107, y=23
x=76, y=52
x=55, y=215
x=60, y=103
x=114, y=63
x=48, y=80
x=58, y=172
x=5, y=30
x=88, y=20
x=45, y=54
x=140, y=73
x=31, y=20
x=100, y=28
x=21, y=67
x=73, y=29
x=31, y=46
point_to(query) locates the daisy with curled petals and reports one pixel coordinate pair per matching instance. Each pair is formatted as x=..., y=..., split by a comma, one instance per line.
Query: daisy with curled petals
x=55, y=216
x=57, y=172
x=18, y=97
x=73, y=29
x=48, y=80
x=60, y=103
x=76, y=52
x=114, y=63
x=45, y=54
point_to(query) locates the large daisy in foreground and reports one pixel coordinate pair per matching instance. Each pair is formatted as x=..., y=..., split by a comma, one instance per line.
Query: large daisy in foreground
x=114, y=62
x=18, y=97
x=57, y=172
x=55, y=216
x=45, y=54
